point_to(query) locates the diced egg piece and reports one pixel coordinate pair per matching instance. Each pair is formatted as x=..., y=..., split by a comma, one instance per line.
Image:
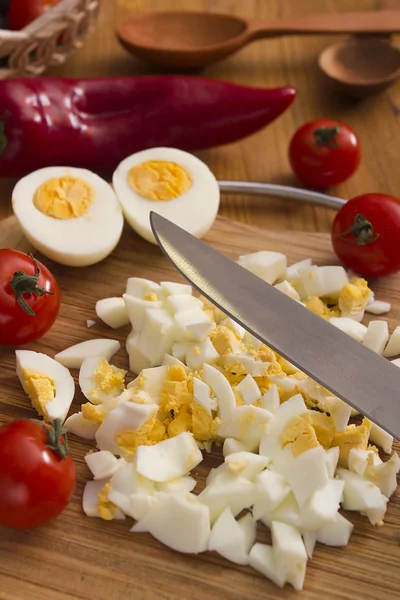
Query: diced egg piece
x=202, y=353
x=384, y=475
x=181, y=302
x=201, y=393
x=335, y=533
x=171, y=288
x=180, y=522
x=312, y=281
x=194, y=323
x=100, y=381
x=272, y=489
x=360, y=460
x=70, y=215
x=331, y=460
x=286, y=288
x=136, y=308
x=95, y=501
x=137, y=360
x=81, y=427
x=169, y=459
x=377, y=307
x=356, y=330
x=292, y=272
x=103, y=464
x=151, y=381
x=322, y=507
x=362, y=495
x=181, y=484
x=128, y=491
x=228, y=490
x=289, y=553
x=233, y=539
x=169, y=360
x=171, y=182
x=309, y=539
x=262, y=559
x=222, y=390
x=49, y=385
x=121, y=428
x=113, y=312
x=381, y=437
x=393, y=347
x=307, y=474
x=247, y=423
x=270, y=400
x=249, y=390
x=353, y=298
x=334, y=278
x=237, y=329
x=377, y=336
x=73, y=357
x=246, y=464
x=270, y=266
x=287, y=512
x=157, y=334
x=138, y=287
x=231, y=446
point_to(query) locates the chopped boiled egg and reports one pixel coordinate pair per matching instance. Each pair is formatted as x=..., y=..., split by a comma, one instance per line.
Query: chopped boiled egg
x=95, y=501
x=270, y=266
x=171, y=182
x=233, y=539
x=231, y=446
x=381, y=437
x=141, y=288
x=377, y=336
x=393, y=347
x=247, y=423
x=286, y=288
x=362, y=495
x=290, y=556
x=356, y=330
x=100, y=381
x=136, y=308
x=137, y=360
x=262, y=559
x=272, y=489
x=73, y=357
x=151, y=381
x=70, y=215
x=230, y=490
x=48, y=384
x=287, y=512
x=249, y=390
x=353, y=297
x=292, y=272
x=335, y=533
x=197, y=355
x=168, y=459
x=113, y=312
x=352, y=437
x=376, y=307
x=307, y=474
x=222, y=391
x=127, y=427
x=322, y=507
x=103, y=464
x=81, y=427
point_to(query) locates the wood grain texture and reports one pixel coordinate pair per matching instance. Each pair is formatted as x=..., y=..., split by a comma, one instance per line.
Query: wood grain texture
x=269, y=63
x=76, y=557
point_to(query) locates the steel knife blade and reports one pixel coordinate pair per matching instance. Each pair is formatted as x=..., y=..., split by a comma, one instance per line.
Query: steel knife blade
x=351, y=371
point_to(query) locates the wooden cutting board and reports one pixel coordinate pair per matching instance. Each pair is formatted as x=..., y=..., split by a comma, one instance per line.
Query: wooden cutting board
x=89, y=559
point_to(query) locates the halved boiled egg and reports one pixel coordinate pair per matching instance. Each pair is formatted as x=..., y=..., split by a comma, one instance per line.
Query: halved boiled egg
x=173, y=183
x=70, y=215
x=49, y=385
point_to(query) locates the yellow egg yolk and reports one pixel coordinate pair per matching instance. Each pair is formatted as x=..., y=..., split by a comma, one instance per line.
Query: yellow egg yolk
x=108, y=380
x=159, y=180
x=224, y=340
x=92, y=413
x=300, y=433
x=353, y=296
x=352, y=437
x=324, y=427
x=317, y=306
x=202, y=422
x=40, y=389
x=64, y=197
x=104, y=506
x=151, y=297
x=151, y=432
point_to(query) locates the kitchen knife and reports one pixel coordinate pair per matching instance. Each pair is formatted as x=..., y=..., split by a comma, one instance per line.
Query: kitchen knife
x=357, y=375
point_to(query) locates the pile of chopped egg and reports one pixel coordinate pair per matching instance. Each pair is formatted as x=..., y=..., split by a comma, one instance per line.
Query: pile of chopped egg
x=292, y=455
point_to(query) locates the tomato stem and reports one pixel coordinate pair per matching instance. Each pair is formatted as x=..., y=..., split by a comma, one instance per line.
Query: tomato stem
x=362, y=232
x=56, y=434
x=21, y=284
x=326, y=136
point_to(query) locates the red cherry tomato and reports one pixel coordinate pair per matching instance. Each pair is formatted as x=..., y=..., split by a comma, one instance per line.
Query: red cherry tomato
x=22, y=12
x=324, y=152
x=366, y=234
x=29, y=298
x=37, y=473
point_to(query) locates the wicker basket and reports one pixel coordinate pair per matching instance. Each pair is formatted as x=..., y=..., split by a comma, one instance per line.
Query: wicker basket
x=48, y=40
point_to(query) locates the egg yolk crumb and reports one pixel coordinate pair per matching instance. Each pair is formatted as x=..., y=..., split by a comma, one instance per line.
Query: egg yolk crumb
x=64, y=197
x=224, y=340
x=202, y=422
x=324, y=427
x=92, y=413
x=108, y=380
x=354, y=295
x=300, y=433
x=352, y=437
x=40, y=389
x=151, y=297
x=105, y=508
x=159, y=180
x=317, y=306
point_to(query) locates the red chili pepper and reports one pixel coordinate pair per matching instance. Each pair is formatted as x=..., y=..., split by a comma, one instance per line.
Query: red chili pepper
x=96, y=123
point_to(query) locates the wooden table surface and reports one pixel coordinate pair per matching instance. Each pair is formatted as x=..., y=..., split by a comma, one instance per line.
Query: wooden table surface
x=269, y=63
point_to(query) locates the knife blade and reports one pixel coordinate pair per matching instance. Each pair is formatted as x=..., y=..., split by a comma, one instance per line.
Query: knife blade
x=351, y=371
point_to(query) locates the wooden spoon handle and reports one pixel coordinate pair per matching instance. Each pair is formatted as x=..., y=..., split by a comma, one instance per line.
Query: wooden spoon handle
x=373, y=22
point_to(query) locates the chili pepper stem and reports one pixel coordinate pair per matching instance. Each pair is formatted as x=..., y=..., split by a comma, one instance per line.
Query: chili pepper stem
x=21, y=284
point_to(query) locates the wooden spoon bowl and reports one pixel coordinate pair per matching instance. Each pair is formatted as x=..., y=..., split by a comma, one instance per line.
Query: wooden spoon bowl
x=361, y=66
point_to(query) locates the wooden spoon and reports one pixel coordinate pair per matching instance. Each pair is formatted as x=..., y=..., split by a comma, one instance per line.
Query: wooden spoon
x=361, y=66
x=196, y=39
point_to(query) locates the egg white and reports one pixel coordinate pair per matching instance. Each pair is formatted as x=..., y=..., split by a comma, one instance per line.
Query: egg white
x=77, y=242
x=195, y=210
